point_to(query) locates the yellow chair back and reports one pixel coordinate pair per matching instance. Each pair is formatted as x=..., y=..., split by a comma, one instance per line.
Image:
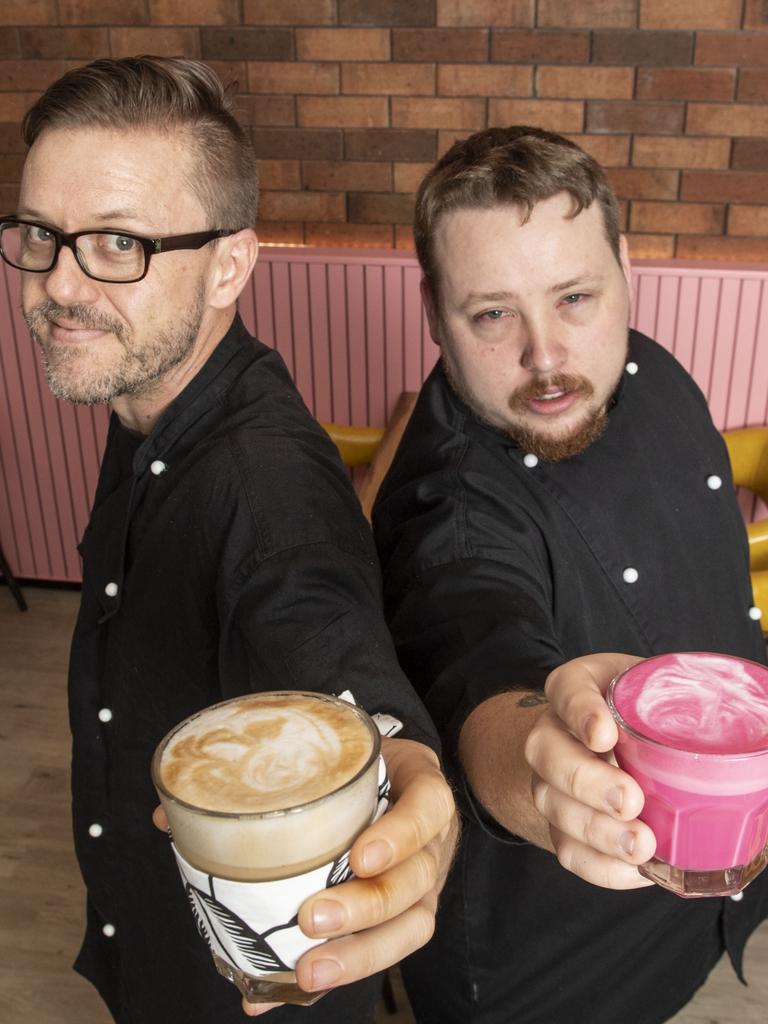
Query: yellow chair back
x=357, y=445
x=748, y=452
x=372, y=446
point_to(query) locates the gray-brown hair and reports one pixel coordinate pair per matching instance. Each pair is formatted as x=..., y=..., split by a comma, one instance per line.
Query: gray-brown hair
x=519, y=166
x=162, y=94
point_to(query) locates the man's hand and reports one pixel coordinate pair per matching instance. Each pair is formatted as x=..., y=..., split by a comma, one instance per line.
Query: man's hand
x=589, y=804
x=388, y=910
x=400, y=861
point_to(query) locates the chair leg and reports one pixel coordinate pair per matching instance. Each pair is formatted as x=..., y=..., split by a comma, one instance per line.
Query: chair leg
x=14, y=586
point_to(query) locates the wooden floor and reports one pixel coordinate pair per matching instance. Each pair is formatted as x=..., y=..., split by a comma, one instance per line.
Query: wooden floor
x=41, y=895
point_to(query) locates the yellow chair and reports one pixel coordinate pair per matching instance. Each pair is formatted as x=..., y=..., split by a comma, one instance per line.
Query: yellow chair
x=357, y=445
x=748, y=451
x=372, y=446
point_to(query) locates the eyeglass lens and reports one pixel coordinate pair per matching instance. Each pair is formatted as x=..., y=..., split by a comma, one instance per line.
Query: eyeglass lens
x=103, y=254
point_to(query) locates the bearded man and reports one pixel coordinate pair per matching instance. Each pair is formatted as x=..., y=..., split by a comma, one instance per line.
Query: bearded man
x=560, y=491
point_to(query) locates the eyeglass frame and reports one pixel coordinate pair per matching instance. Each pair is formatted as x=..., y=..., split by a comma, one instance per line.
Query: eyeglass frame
x=151, y=246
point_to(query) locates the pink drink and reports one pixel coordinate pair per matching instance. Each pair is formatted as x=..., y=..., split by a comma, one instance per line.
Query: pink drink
x=693, y=732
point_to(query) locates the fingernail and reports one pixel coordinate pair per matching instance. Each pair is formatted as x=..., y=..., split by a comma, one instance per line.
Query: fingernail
x=614, y=797
x=325, y=973
x=327, y=916
x=376, y=856
x=587, y=727
x=627, y=842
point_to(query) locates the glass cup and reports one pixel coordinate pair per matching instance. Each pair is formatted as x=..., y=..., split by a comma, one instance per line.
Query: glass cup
x=693, y=732
x=265, y=794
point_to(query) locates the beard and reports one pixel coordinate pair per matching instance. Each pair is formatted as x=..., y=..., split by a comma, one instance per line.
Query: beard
x=77, y=374
x=547, y=447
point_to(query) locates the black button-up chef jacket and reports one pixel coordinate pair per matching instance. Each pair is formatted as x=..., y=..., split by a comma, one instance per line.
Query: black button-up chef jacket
x=226, y=553
x=498, y=568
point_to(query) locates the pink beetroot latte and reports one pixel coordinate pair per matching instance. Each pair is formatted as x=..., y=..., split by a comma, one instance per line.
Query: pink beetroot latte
x=693, y=732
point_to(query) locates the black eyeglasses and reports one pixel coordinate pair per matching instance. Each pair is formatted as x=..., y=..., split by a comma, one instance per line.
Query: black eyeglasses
x=115, y=257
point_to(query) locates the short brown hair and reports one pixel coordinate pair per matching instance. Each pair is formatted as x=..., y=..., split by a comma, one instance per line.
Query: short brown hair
x=162, y=94
x=519, y=166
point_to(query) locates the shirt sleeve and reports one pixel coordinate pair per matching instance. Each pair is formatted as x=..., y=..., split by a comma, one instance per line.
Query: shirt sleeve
x=468, y=630
x=467, y=593
x=303, y=609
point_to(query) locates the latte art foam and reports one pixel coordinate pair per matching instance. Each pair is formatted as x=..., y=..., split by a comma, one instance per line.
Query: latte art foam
x=264, y=754
x=705, y=703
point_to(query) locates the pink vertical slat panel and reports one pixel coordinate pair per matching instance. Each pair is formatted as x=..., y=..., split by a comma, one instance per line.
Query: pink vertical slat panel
x=668, y=304
x=246, y=306
x=321, y=352
x=14, y=535
x=757, y=410
x=23, y=494
x=282, y=313
x=263, y=305
x=394, y=337
x=303, y=368
x=687, y=312
x=341, y=394
x=350, y=326
x=706, y=322
x=723, y=354
x=376, y=344
x=744, y=341
x=356, y=347
x=646, y=290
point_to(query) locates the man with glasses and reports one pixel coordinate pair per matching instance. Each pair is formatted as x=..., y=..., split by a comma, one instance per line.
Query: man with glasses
x=225, y=552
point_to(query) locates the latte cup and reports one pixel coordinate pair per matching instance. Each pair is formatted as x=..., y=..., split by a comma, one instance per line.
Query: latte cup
x=265, y=795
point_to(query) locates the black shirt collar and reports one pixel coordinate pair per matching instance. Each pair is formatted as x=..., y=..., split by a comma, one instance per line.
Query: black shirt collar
x=226, y=362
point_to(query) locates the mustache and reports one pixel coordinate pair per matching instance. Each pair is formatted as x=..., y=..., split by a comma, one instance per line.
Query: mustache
x=82, y=314
x=537, y=389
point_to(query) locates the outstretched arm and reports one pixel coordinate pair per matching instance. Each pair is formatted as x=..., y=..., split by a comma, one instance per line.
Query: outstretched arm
x=541, y=765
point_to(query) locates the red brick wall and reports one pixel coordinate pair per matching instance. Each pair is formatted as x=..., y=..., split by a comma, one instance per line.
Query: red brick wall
x=350, y=101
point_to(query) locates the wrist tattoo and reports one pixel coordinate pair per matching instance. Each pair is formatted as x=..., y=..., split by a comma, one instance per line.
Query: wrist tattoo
x=531, y=700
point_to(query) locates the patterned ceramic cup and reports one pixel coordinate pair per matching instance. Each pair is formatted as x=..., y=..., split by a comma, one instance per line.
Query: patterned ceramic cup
x=265, y=794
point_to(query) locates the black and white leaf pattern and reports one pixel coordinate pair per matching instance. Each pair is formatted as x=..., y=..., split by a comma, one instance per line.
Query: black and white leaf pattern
x=340, y=871
x=213, y=918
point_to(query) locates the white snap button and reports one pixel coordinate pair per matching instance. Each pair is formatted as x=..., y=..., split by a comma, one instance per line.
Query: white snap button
x=632, y=368
x=714, y=483
x=111, y=589
x=755, y=613
x=737, y=897
x=158, y=467
x=105, y=715
x=630, y=575
x=95, y=830
x=530, y=460
x=108, y=930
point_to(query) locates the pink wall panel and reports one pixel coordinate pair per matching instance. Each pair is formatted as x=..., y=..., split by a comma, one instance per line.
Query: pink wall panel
x=49, y=453
x=351, y=328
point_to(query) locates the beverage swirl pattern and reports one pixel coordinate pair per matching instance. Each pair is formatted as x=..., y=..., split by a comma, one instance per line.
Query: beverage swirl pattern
x=260, y=755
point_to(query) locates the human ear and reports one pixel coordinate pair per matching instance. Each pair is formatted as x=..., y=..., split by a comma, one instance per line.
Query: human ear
x=430, y=308
x=233, y=265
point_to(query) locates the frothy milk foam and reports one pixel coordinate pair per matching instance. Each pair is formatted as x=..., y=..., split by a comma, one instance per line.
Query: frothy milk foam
x=715, y=705
x=260, y=787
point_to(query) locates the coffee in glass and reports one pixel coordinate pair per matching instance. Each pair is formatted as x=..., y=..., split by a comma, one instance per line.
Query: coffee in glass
x=265, y=794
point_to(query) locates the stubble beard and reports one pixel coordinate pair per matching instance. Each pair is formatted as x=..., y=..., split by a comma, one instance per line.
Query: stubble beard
x=549, y=448
x=137, y=371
